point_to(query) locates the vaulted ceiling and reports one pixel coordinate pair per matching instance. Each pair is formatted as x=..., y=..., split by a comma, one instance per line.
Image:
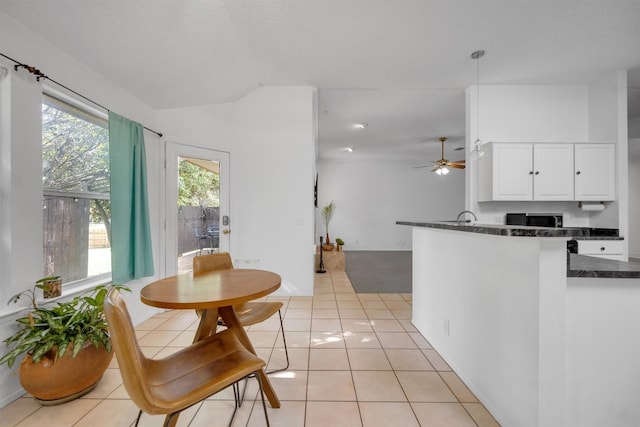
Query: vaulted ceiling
x=400, y=66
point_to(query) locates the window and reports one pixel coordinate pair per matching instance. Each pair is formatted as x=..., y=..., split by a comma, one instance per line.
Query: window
x=75, y=176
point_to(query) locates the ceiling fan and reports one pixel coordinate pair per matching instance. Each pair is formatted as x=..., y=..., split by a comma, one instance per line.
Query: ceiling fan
x=441, y=166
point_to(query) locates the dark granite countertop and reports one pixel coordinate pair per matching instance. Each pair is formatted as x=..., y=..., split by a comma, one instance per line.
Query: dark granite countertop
x=581, y=233
x=588, y=266
x=577, y=265
x=596, y=237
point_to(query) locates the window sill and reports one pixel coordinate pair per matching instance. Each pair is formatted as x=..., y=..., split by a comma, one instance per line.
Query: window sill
x=69, y=291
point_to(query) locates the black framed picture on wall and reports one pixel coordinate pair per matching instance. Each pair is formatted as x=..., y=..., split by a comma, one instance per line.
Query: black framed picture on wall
x=315, y=193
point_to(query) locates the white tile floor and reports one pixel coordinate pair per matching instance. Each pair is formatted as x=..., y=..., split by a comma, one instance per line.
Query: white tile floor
x=356, y=360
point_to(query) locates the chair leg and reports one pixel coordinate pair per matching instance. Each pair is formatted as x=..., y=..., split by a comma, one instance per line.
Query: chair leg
x=138, y=418
x=236, y=394
x=238, y=397
x=286, y=351
x=264, y=405
x=244, y=390
x=171, y=420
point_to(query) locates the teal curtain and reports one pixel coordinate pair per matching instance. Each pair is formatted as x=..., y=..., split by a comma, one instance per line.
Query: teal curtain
x=131, y=252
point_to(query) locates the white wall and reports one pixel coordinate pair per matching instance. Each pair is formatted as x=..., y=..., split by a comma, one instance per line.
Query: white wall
x=547, y=113
x=371, y=195
x=608, y=122
x=493, y=308
x=21, y=167
x=608, y=309
x=634, y=198
x=270, y=135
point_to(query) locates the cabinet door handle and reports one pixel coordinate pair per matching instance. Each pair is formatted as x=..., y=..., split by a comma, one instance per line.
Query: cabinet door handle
x=530, y=172
x=578, y=173
x=602, y=248
x=537, y=172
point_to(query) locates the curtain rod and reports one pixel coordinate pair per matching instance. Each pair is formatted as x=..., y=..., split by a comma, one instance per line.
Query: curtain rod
x=40, y=75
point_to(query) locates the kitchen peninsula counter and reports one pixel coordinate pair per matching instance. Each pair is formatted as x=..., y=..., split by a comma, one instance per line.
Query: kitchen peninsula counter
x=582, y=233
x=577, y=265
x=526, y=325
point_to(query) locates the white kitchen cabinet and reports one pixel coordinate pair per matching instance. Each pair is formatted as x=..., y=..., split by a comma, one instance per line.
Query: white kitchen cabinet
x=608, y=249
x=552, y=171
x=595, y=172
x=522, y=172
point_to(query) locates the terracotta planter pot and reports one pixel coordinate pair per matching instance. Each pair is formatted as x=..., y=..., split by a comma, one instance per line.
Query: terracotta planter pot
x=54, y=382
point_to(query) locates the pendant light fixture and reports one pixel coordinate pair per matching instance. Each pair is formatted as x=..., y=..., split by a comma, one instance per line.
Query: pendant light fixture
x=477, y=152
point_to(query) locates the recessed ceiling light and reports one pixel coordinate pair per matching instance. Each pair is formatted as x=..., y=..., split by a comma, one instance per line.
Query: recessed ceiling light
x=349, y=149
x=360, y=125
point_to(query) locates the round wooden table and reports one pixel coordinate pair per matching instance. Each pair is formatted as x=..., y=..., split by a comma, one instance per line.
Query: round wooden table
x=216, y=293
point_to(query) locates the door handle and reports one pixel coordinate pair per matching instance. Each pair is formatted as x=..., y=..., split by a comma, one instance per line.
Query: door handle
x=226, y=231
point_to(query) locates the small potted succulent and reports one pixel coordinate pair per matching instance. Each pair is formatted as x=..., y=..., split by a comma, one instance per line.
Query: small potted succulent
x=340, y=243
x=66, y=346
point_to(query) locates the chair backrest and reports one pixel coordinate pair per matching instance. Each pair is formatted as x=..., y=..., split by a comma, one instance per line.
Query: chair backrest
x=133, y=365
x=212, y=262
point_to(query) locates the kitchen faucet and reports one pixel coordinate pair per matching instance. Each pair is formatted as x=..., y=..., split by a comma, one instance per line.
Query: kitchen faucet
x=464, y=212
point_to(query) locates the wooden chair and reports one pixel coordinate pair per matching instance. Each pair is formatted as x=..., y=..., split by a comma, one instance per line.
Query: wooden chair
x=248, y=313
x=182, y=379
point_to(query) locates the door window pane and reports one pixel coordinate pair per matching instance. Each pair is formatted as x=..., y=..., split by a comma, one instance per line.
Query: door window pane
x=198, y=209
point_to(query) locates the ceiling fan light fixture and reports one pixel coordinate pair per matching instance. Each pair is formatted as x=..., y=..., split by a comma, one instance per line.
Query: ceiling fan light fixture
x=477, y=153
x=442, y=171
x=443, y=166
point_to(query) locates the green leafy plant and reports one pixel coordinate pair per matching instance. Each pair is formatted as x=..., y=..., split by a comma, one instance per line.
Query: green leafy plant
x=327, y=214
x=46, y=329
x=339, y=241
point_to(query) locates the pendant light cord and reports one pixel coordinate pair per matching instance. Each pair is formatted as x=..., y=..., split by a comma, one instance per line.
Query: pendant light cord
x=478, y=97
x=476, y=146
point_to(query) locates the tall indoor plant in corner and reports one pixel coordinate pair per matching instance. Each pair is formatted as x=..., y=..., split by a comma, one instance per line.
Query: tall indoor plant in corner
x=66, y=346
x=327, y=214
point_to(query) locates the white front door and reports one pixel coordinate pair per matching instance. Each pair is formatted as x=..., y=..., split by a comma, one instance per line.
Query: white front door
x=197, y=204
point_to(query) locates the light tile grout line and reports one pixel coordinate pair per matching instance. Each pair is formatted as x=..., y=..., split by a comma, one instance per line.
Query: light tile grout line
x=438, y=372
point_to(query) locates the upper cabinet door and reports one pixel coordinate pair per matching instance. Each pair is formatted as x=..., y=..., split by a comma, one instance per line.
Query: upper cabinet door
x=595, y=172
x=512, y=172
x=553, y=172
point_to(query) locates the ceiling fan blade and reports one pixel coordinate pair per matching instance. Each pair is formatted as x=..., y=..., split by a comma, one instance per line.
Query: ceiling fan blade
x=456, y=166
x=435, y=169
x=459, y=161
x=423, y=166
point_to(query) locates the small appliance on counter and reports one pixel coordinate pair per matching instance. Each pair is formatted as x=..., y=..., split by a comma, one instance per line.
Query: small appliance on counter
x=534, y=219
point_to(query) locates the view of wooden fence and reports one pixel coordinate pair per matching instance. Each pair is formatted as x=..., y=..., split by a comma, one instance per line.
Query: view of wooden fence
x=69, y=235
x=192, y=219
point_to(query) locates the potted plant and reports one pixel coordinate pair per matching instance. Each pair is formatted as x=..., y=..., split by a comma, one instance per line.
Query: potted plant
x=327, y=214
x=66, y=346
x=340, y=243
x=51, y=286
